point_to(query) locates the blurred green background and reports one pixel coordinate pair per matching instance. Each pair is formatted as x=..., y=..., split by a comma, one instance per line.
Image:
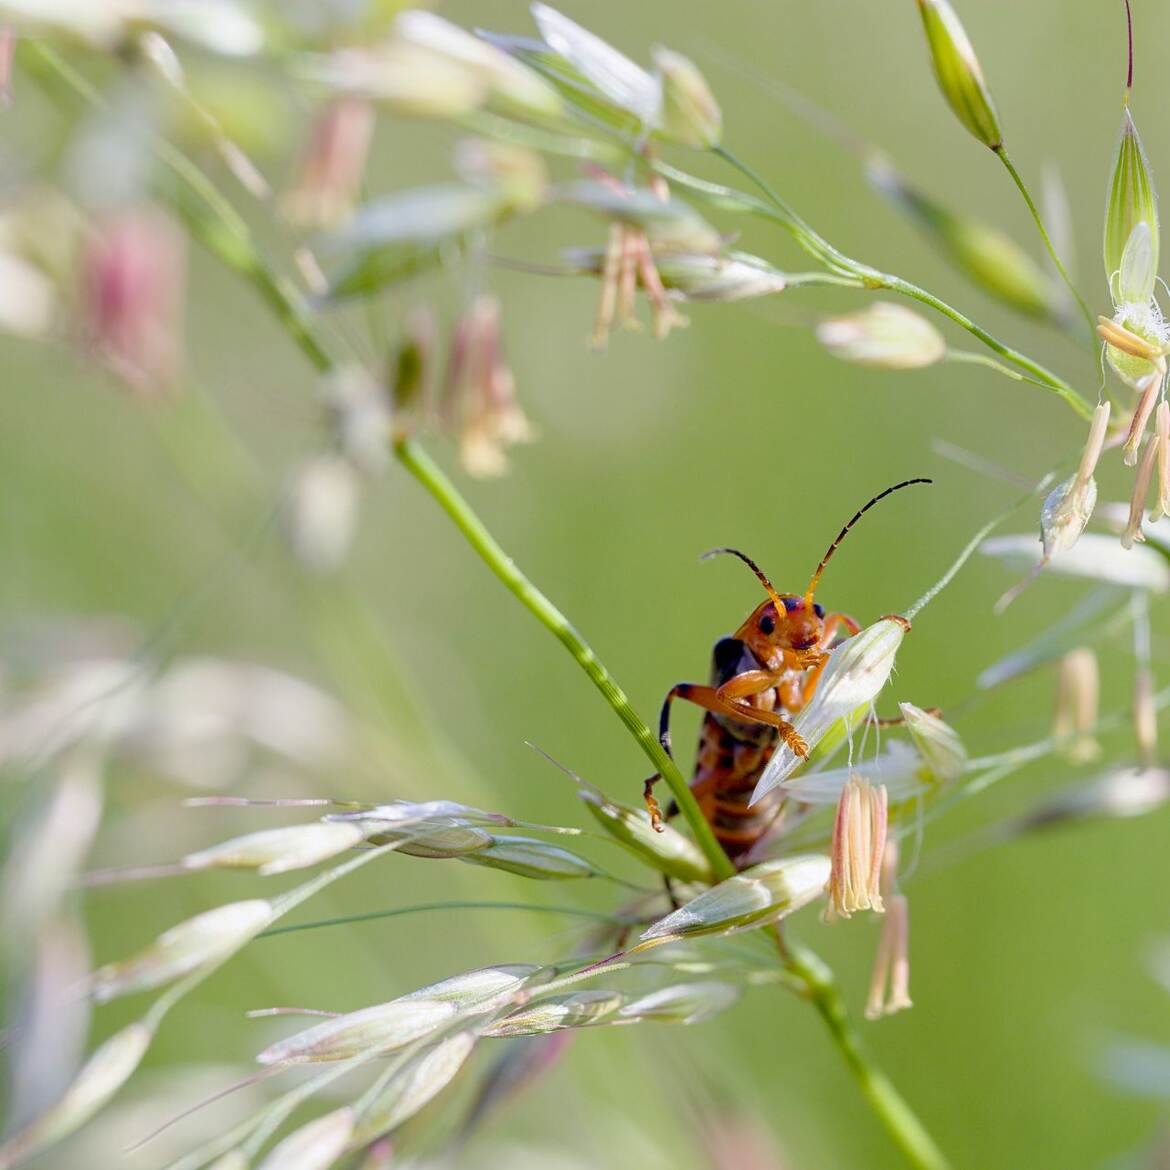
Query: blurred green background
x=738, y=430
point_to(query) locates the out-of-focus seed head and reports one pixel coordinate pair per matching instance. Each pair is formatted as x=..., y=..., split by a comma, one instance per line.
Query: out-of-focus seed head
x=103, y=1074
x=207, y=938
x=959, y=74
x=329, y=174
x=359, y=416
x=984, y=254
x=315, y=1146
x=759, y=895
x=1120, y=792
x=479, y=398
x=689, y=115
x=1145, y=717
x=670, y=224
x=402, y=77
x=735, y=276
x=517, y=173
x=412, y=369
x=1162, y=431
x=320, y=511
x=133, y=277
x=272, y=851
x=575, y=1009
x=618, y=79
x=885, y=335
x=1096, y=557
x=1077, y=695
x=939, y=744
x=859, y=842
x=889, y=988
x=511, y=85
x=1132, y=202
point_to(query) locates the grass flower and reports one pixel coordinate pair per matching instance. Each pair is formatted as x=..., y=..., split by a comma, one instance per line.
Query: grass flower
x=1077, y=698
x=885, y=335
x=859, y=842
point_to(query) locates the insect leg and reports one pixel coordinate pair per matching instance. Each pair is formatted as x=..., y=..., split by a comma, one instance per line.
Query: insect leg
x=709, y=699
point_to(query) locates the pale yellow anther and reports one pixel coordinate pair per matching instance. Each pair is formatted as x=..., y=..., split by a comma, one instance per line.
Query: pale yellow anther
x=1150, y=389
x=1131, y=343
x=1141, y=487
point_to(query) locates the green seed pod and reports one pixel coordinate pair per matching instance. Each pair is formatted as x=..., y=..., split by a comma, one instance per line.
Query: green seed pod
x=959, y=75
x=987, y=257
x=1132, y=201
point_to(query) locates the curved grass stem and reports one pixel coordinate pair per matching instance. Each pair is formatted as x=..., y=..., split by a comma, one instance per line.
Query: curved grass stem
x=779, y=211
x=1038, y=220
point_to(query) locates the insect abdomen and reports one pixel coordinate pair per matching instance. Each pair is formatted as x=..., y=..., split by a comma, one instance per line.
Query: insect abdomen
x=731, y=756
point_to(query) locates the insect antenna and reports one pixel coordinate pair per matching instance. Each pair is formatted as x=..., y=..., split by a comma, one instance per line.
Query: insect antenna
x=853, y=520
x=734, y=552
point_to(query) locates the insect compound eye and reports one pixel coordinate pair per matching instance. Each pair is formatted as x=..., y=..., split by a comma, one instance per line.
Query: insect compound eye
x=767, y=624
x=791, y=603
x=819, y=609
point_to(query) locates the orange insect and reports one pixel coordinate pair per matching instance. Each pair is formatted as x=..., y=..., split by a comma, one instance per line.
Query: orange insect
x=762, y=674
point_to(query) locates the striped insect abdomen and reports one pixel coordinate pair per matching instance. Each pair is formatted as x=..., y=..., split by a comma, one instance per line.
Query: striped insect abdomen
x=731, y=756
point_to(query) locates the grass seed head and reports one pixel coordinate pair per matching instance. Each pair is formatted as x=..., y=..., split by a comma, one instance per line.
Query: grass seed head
x=885, y=335
x=414, y=1086
x=315, y=1146
x=207, y=938
x=108, y=1068
x=333, y=164
x=1077, y=698
x=939, y=744
x=271, y=851
x=759, y=895
x=575, y=1009
x=690, y=115
x=959, y=74
x=1132, y=202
